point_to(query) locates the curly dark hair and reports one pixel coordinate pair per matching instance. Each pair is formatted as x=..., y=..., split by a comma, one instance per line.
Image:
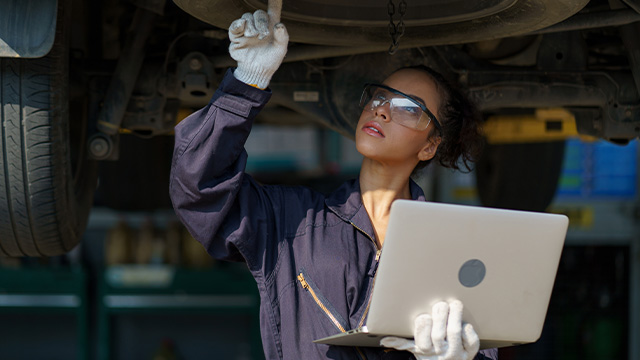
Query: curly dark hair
x=461, y=124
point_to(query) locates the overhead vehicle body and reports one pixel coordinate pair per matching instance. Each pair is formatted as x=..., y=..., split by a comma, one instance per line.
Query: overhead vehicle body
x=78, y=77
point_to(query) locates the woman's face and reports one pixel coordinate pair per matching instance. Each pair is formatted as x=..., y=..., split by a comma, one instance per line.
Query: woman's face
x=378, y=138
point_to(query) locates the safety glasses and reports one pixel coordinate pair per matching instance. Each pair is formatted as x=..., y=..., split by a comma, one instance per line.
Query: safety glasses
x=404, y=109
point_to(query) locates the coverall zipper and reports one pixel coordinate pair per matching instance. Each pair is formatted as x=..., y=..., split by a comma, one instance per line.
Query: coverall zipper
x=378, y=251
x=306, y=286
x=322, y=306
x=377, y=258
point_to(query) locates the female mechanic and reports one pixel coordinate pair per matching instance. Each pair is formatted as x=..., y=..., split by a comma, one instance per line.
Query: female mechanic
x=314, y=257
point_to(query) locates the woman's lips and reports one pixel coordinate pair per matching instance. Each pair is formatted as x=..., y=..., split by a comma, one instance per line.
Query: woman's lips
x=372, y=128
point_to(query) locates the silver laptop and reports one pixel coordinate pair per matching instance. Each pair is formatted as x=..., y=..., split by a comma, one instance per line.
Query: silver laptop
x=500, y=263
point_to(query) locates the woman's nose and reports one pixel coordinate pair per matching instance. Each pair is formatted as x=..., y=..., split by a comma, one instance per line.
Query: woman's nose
x=384, y=111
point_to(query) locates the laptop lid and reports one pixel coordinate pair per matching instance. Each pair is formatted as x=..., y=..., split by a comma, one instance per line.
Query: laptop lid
x=500, y=263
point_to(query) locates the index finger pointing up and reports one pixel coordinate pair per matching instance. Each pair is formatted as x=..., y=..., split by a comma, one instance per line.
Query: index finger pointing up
x=273, y=9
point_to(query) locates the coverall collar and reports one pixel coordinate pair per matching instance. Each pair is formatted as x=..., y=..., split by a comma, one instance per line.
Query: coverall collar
x=346, y=202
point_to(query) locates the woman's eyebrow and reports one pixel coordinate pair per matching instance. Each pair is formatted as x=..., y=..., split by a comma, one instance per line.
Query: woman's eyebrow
x=417, y=98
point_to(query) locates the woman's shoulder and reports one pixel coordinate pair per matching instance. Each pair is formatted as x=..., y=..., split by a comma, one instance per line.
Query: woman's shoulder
x=295, y=195
x=303, y=199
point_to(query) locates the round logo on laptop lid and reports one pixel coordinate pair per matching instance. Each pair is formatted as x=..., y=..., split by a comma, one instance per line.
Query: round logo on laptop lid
x=472, y=273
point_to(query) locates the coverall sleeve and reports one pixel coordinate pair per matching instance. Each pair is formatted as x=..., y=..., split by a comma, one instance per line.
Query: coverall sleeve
x=220, y=205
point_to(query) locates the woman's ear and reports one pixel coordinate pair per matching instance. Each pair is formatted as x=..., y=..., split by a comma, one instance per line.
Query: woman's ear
x=430, y=148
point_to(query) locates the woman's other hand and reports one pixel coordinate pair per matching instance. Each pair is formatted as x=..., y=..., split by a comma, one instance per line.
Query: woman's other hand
x=258, y=44
x=439, y=336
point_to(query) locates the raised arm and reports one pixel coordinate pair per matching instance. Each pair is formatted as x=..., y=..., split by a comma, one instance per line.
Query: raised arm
x=209, y=190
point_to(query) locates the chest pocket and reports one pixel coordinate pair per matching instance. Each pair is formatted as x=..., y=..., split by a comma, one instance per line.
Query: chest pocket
x=322, y=303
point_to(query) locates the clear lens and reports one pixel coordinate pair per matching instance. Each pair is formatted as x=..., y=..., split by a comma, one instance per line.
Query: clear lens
x=402, y=110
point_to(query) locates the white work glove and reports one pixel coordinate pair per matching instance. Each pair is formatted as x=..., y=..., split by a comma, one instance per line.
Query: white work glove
x=440, y=336
x=258, y=44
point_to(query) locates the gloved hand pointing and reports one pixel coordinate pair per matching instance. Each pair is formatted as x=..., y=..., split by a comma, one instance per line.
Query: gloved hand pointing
x=258, y=44
x=439, y=336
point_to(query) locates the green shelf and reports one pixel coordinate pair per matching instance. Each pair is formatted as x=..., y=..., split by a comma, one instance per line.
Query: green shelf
x=149, y=289
x=47, y=290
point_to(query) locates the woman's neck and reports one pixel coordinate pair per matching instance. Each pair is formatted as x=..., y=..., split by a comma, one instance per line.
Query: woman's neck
x=380, y=185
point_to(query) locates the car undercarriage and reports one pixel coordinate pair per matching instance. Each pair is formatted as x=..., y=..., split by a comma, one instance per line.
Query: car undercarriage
x=119, y=68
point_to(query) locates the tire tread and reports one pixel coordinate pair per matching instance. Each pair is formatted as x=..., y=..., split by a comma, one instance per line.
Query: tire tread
x=41, y=211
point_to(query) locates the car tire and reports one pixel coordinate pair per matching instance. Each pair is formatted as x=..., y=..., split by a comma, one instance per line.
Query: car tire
x=520, y=176
x=46, y=181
